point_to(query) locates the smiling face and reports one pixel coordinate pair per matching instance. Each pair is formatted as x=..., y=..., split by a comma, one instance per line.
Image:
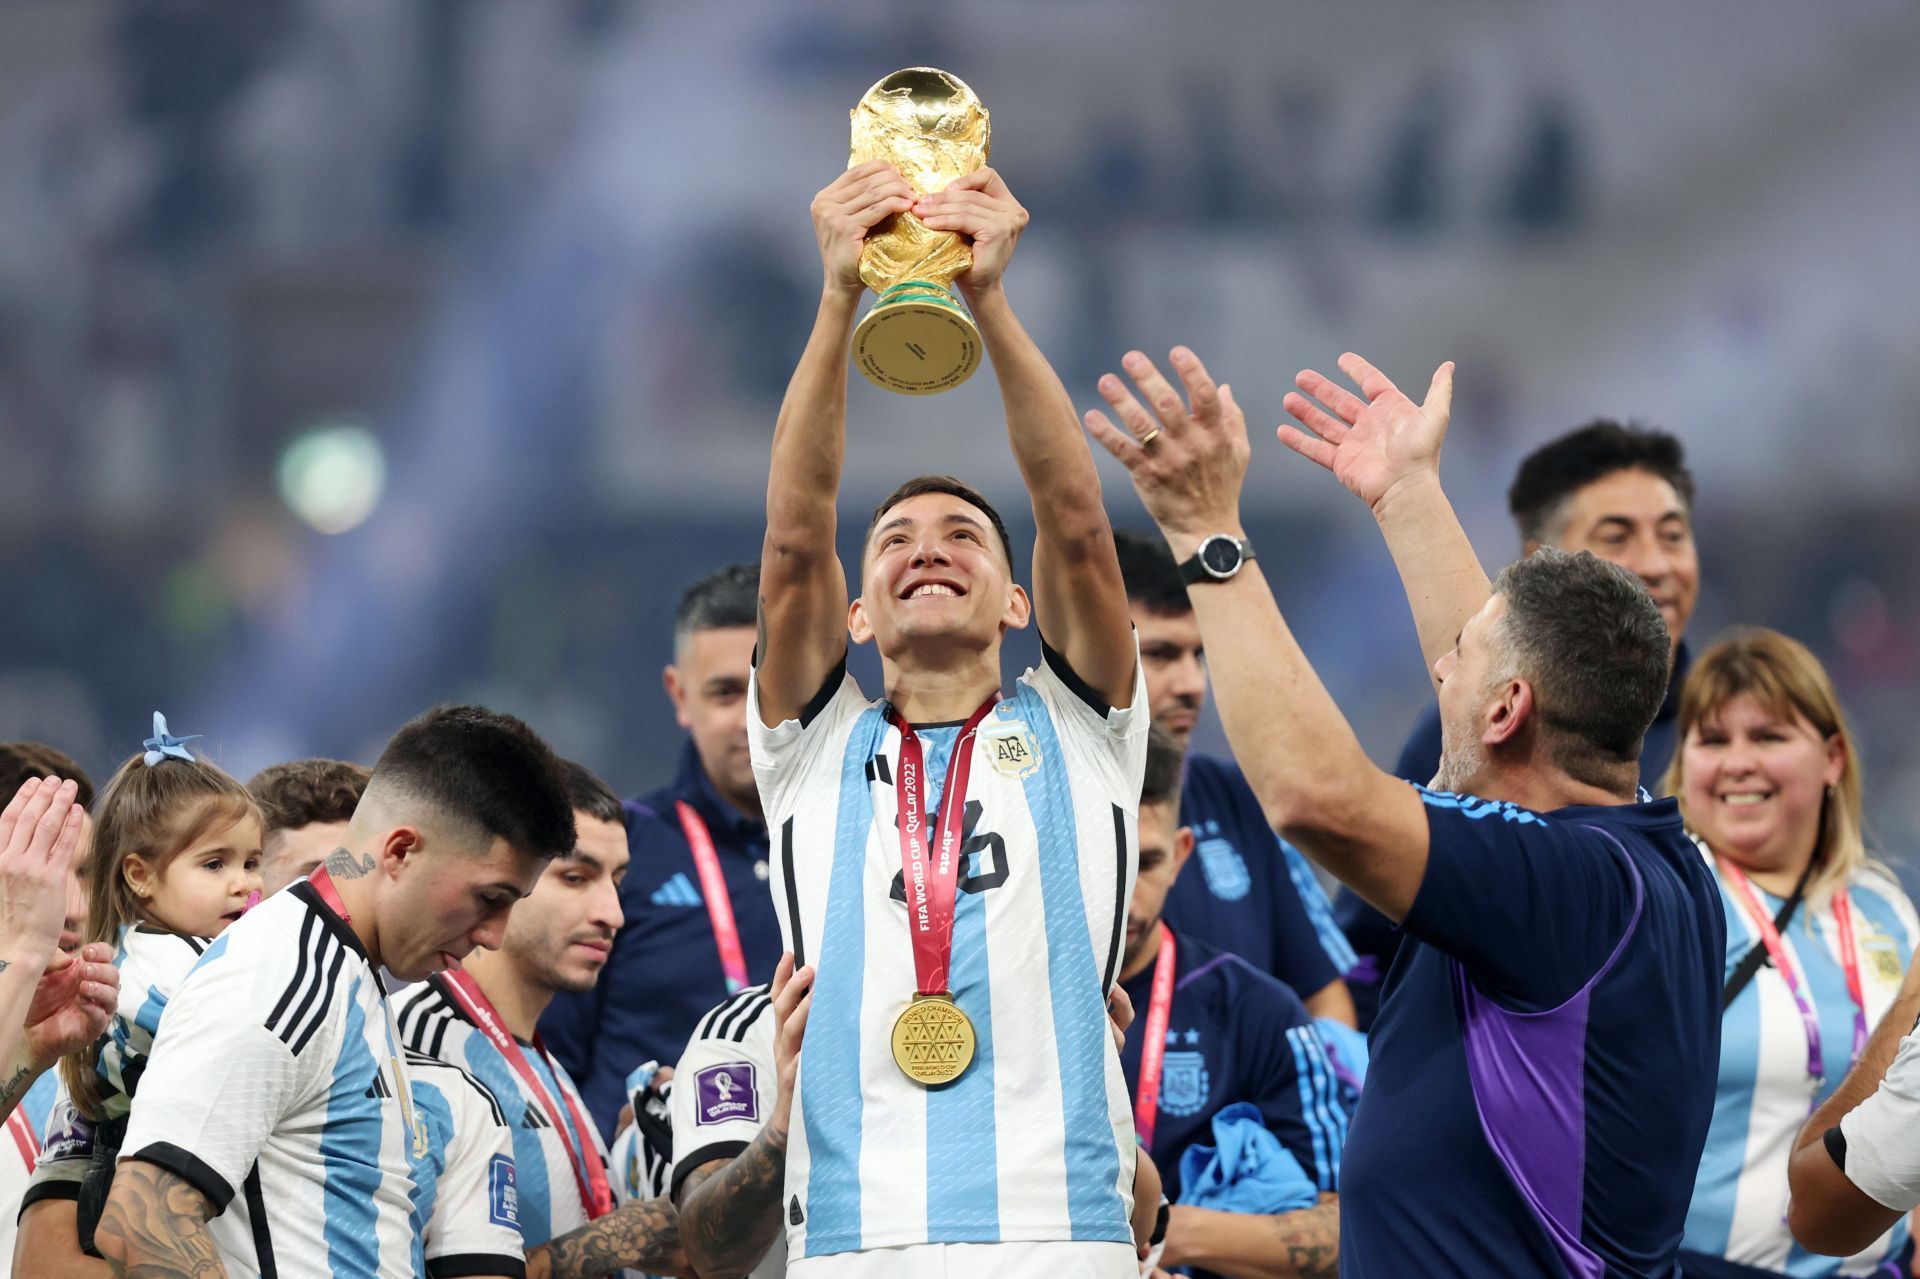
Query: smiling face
x=1752, y=779
x=935, y=577
x=204, y=887
x=1635, y=519
x=560, y=937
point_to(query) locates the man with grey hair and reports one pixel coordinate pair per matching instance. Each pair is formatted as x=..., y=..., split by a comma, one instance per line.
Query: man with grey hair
x=1544, y=1062
x=700, y=921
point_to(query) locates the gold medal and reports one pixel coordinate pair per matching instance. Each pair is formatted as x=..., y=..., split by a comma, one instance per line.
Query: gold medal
x=933, y=1040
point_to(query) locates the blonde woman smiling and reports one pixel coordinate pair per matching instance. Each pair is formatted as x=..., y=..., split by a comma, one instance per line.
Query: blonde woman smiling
x=1818, y=937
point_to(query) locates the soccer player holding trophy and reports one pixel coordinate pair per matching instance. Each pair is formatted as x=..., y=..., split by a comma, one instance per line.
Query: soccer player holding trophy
x=951, y=863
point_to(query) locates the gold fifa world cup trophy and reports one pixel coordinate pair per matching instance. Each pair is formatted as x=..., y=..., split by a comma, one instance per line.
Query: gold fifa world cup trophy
x=918, y=338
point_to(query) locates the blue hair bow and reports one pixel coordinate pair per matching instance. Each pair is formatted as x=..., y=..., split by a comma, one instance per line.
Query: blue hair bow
x=164, y=745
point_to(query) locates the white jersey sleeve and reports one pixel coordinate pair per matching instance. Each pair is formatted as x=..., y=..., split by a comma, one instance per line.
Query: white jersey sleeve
x=790, y=757
x=219, y=1085
x=466, y=1195
x=1882, y=1158
x=724, y=1086
x=1109, y=743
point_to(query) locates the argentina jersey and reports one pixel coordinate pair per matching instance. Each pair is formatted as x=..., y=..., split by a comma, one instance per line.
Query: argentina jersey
x=431, y=1022
x=274, y=1088
x=1034, y=1141
x=19, y=1151
x=465, y=1203
x=1763, y=1094
x=152, y=964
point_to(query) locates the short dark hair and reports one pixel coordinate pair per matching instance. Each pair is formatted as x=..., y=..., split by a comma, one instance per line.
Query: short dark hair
x=1588, y=637
x=923, y=484
x=486, y=768
x=1150, y=573
x=304, y=791
x=22, y=761
x=588, y=794
x=1166, y=770
x=1558, y=469
x=726, y=597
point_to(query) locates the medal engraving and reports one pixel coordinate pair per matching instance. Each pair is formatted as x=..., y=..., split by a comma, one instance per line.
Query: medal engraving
x=933, y=1040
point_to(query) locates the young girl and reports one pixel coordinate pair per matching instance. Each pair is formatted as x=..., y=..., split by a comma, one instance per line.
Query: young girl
x=175, y=859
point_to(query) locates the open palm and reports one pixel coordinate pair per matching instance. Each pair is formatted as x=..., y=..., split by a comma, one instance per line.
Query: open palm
x=73, y=1002
x=1372, y=444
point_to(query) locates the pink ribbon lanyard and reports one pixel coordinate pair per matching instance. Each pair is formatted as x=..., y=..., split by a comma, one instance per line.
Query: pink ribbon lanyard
x=1153, y=1049
x=713, y=887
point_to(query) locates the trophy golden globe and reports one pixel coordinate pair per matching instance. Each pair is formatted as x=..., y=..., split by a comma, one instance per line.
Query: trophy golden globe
x=918, y=338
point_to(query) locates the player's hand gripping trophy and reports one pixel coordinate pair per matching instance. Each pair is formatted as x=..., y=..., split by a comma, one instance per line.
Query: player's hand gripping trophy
x=918, y=338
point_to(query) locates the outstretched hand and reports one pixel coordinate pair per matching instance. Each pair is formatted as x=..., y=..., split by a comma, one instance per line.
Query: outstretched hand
x=39, y=837
x=73, y=1003
x=1187, y=459
x=1373, y=445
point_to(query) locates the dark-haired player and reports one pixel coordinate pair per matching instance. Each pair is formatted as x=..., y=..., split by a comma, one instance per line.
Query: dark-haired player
x=275, y=1130
x=308, y=804
x=1624, y=493
x=910, y=1154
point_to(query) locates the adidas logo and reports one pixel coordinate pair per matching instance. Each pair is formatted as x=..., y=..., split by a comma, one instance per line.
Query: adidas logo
x=379, y=1088
x=678, y=891
x=534, y=1119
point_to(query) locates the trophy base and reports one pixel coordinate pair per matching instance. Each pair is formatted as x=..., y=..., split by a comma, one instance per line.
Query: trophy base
x=917, y=340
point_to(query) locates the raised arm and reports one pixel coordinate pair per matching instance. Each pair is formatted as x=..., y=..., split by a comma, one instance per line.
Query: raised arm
x=1077, y=593
x=1386, y=450
x=1315, y=782
x=803, y=589
x=155, y=1226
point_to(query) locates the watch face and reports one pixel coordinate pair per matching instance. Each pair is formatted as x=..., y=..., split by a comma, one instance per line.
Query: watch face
x=1220, y=555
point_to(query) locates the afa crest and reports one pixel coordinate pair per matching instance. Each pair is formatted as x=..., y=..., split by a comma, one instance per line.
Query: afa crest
x=1183, y=1083
x=1225, y=870
x=1010, y=748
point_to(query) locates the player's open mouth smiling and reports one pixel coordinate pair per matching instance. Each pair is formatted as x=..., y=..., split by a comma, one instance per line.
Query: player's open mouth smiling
x=934, y=589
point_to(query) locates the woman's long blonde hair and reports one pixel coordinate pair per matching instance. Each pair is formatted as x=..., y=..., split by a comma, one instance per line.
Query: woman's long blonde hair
x=158, y=811
x=1784, y=676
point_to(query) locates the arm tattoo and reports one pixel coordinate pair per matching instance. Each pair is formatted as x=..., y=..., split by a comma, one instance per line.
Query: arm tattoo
x=342, y=864
x=635, y=1236
x=14, y=1088
x=155, y=1227
x=730, y=1215
x=1309, y=1240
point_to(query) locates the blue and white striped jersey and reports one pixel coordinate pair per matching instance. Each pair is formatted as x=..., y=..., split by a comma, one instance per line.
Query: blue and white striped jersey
x=275, y=1088
x=152, y=964
x=19, y=1151
x=432, y=1023
x=1763, y=1098
x=466, y=1204
x=1034, y=1142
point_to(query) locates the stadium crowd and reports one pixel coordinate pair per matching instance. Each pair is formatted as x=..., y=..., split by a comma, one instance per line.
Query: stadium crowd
x=927, y=983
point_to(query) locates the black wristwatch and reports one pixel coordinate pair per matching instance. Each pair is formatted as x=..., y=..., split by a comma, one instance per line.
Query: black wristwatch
x=1219, y=558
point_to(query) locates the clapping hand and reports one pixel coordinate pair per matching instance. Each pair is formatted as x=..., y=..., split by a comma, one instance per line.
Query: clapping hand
x=39, y=836
x=73, y=1003
x=1377, y=445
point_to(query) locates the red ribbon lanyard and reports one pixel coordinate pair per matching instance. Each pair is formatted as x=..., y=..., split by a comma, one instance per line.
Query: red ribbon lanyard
x=1153, y=1049
x=931, y=881
x=713, y=887
x=589, y=1170
x=25, y=1138
x=323, y=884
x=1777, y=952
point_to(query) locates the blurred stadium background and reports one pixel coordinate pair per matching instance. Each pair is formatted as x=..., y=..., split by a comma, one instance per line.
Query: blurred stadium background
x=361, y=354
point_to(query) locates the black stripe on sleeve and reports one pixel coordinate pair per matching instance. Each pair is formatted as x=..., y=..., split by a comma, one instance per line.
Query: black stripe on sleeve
x=1119, y=898
x=460, y=1264
x=694, y=1160
x=298, y=983
x=1071, y=678
x=262, y=1233
x=739, y=1035
x=793, y=892
x=39, y=1191
x=1836, y=1144
x=835, y=677
x=730, y=1025
x=191, y=1169
x=322, y=1011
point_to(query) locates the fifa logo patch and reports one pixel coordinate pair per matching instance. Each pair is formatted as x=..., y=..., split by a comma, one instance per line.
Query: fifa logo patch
x=726, y=1093
x=1183, y=1083
x=1010, y=748
x=503, y=1197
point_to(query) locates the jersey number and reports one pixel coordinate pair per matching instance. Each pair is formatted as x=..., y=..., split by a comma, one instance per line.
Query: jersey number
x=983, y=858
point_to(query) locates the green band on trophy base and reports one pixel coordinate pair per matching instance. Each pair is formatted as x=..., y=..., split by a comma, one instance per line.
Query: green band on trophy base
x=917, y=340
